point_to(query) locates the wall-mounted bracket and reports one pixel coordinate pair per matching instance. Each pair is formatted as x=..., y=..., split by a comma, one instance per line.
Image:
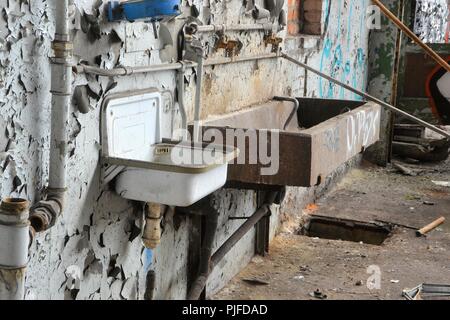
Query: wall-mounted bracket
x=109, y=172
x=274, y=41
x=232, y=47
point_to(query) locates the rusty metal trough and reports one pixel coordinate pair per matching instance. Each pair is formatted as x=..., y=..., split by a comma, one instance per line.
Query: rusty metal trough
x=324, y=135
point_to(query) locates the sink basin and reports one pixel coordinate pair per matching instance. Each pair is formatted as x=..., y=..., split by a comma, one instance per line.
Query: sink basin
x=172, y=175
x=146, y=167
x=324, y=135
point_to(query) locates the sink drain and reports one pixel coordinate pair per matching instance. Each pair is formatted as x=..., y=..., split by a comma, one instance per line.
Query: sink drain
x=346, y=230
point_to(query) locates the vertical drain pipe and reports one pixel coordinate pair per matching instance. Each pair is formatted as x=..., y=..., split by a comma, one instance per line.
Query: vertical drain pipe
x=14, y=242
x=45, y=213
x=181, y=105
x=208, y=208
x=151, y=236
x=61, y=94
x=198, y=97
x=213, y=260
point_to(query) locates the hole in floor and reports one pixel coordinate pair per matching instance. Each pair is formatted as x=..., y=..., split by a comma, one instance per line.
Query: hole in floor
x=347, y=230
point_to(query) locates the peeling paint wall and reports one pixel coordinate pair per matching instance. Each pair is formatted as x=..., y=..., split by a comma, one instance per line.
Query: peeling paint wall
x=94, y=251
x=431, y=20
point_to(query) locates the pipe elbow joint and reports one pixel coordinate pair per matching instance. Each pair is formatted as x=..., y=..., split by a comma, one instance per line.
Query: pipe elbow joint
x=45, y=213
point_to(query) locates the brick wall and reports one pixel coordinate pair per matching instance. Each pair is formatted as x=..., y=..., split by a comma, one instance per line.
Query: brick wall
x=305, y=16
x=294, y=10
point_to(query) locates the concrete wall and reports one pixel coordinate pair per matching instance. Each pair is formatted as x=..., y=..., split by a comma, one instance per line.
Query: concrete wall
x=97, y=238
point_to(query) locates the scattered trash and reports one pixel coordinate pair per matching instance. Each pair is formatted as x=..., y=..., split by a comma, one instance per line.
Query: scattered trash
x=300, y=277
x=359, y=283
x=428, y=203
x=413, y=143
x=426, y=290
x=318, y=295
x=256, y=282
x=395, y=281
x=442, y=183
x=305, y=269
x=404, y=170
x=430, y=227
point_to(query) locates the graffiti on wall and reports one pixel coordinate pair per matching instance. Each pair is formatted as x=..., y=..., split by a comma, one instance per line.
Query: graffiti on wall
x=343, y=56
x=362, y=130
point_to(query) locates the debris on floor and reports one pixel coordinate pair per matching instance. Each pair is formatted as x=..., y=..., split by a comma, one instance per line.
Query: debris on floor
x=298, y=264
x=405, y=170
x=442, y=183
x=426, y=290
x=430, y=227
x=412, y=141
x=318, y=295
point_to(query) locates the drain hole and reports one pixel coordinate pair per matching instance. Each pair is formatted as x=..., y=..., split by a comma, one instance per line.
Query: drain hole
x=346, y=230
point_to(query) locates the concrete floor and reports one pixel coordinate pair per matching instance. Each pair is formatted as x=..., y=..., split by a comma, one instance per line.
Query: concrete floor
x=298, y=265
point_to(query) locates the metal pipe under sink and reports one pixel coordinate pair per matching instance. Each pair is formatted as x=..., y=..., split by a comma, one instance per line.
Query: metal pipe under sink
x=202, y=278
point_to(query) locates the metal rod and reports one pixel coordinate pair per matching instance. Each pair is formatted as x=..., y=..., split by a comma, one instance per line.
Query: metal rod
x=412, y=35
x=243, y=229
x=181, y=106
x=213, y=62
x=200, y=281
x=367, y=96
x=126, y=71
x=294, y=111
x=208, y=208
x=198, y=97
x=236, y=27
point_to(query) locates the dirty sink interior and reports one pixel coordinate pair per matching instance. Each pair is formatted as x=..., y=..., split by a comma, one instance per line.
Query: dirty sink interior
x=322, y=135
x=150, y=169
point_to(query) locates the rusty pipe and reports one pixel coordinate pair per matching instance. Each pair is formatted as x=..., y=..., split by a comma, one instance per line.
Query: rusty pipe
x=244, y=228
x=43, y=214
x=127, y=71
x=201, y=280
x=14, y=243
x=204, y=268
x=294, y=111
x=236, y=27
x=151, y=236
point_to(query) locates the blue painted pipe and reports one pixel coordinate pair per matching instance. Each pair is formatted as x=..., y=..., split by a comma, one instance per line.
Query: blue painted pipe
x=152, y=10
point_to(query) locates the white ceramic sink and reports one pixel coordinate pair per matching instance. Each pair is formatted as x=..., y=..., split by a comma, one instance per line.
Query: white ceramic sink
x=171, y=177
x=171, y=173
